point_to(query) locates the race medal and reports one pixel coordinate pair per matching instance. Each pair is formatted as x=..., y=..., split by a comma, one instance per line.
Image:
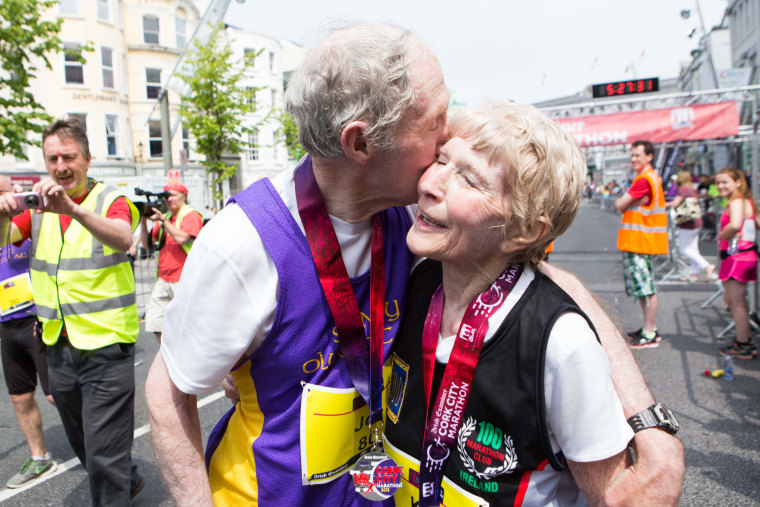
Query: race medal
x=376, y=476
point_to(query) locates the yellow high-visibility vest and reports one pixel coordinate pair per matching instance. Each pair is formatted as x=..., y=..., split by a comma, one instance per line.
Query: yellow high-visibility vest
x=182, y=214
x=645, y=228
x=82, y=283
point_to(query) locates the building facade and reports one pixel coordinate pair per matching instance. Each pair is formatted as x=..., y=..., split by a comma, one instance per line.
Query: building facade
x=136, y=45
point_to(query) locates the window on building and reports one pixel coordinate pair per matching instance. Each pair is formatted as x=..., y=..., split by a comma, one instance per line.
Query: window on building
x=112, y=135
x=180, y=27
x=152, y=83
x=248, y=51
x=70, y=7
x=253, y=145
x=150, y=29
x=273, y=97
x=252, y=95
x=106, y=60
x=73, y=70
x=186, y=140
x=104, y=11
x=82, y=117
x=271, y=61
x=154, y=139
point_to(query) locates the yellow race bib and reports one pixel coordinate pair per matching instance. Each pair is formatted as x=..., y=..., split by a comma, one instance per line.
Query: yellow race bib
x=15, y=293
x=334, y=431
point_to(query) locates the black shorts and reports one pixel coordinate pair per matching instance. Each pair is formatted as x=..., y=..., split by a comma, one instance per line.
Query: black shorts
x=23, y=356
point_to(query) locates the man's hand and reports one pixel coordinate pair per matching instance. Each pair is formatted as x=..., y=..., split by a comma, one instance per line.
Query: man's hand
x=657, y=476
x=8, y=206
x=231, y=389
x=55, y=198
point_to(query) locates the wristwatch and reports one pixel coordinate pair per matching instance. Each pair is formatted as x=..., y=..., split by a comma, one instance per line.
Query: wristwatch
x=656, y=416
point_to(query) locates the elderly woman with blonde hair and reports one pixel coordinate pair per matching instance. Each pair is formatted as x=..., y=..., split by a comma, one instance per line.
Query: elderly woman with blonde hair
x=495, y=368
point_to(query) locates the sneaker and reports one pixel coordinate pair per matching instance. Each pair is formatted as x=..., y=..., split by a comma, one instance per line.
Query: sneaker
x=740, y=350
x=139, y=487
x=636, y=340
x=710, y=275
x=30, y=471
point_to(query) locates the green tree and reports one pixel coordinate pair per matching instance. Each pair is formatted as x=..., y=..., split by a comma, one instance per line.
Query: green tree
x=289, y=133
x=214, y=107
x=25, y=42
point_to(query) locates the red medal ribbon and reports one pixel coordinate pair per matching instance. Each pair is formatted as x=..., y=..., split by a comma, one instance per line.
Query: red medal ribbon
x=364, y=366
x=441, y=432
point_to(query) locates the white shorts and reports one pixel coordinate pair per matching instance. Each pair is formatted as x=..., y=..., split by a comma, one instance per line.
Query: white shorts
x=163, y=292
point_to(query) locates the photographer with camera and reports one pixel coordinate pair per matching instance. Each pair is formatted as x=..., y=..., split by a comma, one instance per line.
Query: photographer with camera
x=84, y=291
x=174, y=233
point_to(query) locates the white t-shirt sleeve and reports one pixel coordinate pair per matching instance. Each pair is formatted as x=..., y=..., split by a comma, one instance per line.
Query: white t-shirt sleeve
x=224, y=304
x=585, y=416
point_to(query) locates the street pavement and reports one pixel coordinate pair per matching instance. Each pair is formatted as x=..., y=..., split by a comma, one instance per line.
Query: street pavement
x=720, y=420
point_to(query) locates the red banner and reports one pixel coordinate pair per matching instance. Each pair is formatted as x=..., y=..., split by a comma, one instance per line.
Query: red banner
x=685, y=123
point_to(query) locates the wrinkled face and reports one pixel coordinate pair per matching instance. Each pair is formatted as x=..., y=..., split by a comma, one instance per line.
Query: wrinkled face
x=66, y=164
x=422, y=130
x=639, y=159
x=175, y=201
x=461, y=212
x=726, y=184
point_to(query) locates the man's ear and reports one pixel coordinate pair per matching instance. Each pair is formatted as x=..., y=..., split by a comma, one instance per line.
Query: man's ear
x=541, y=229
x=355, y=144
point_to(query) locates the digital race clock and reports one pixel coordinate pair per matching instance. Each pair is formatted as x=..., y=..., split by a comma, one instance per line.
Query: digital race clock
x=628, y=87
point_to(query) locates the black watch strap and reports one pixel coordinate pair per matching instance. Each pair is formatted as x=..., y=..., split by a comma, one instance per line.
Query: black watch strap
x=656, y=416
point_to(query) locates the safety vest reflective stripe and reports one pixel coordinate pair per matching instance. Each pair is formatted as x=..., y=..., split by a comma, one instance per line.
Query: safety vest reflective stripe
x=77, y=264
x=641, y=228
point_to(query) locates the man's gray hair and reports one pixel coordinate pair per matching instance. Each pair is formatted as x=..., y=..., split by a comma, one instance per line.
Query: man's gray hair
x=359, y=72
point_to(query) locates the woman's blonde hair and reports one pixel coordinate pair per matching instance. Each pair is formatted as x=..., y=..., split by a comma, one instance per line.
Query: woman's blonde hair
x=543, y=168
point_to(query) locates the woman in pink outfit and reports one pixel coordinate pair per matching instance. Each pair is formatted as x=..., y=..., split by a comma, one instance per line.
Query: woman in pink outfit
x=739, y=255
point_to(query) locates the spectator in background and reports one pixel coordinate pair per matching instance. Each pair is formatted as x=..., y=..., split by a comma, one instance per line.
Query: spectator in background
x=688, y=232
x=174, y=233
x=739, y=255
x=643, y=233
x=84, y=292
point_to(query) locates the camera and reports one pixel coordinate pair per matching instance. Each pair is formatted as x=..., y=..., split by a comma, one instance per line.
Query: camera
x=152, y=201
x=28, y=200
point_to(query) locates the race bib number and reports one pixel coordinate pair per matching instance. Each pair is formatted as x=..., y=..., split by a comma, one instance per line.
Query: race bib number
x=334, y=431
x=15, y=294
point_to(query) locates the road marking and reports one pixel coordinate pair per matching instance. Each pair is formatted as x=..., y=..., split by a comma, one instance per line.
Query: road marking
x=73, y=462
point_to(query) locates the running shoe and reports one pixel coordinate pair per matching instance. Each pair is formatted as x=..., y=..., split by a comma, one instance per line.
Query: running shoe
x=637, y=340
x=137, y=488
x=741, y=350
x=30, y=471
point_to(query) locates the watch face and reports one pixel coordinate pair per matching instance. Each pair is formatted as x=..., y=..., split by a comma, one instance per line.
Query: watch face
x=666, y=419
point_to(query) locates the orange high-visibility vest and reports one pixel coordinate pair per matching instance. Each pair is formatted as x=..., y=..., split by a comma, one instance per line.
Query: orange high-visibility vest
x=645, y=228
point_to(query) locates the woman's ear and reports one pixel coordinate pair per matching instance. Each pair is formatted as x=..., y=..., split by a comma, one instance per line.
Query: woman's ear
x=518, y=244
x=355, y=144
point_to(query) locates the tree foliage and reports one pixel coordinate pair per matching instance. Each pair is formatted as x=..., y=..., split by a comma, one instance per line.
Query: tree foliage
x=289, y=133
x=217, y=103
x=26, y=41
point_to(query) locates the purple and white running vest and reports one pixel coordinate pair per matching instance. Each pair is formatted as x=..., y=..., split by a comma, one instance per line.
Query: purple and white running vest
x=301, y=347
